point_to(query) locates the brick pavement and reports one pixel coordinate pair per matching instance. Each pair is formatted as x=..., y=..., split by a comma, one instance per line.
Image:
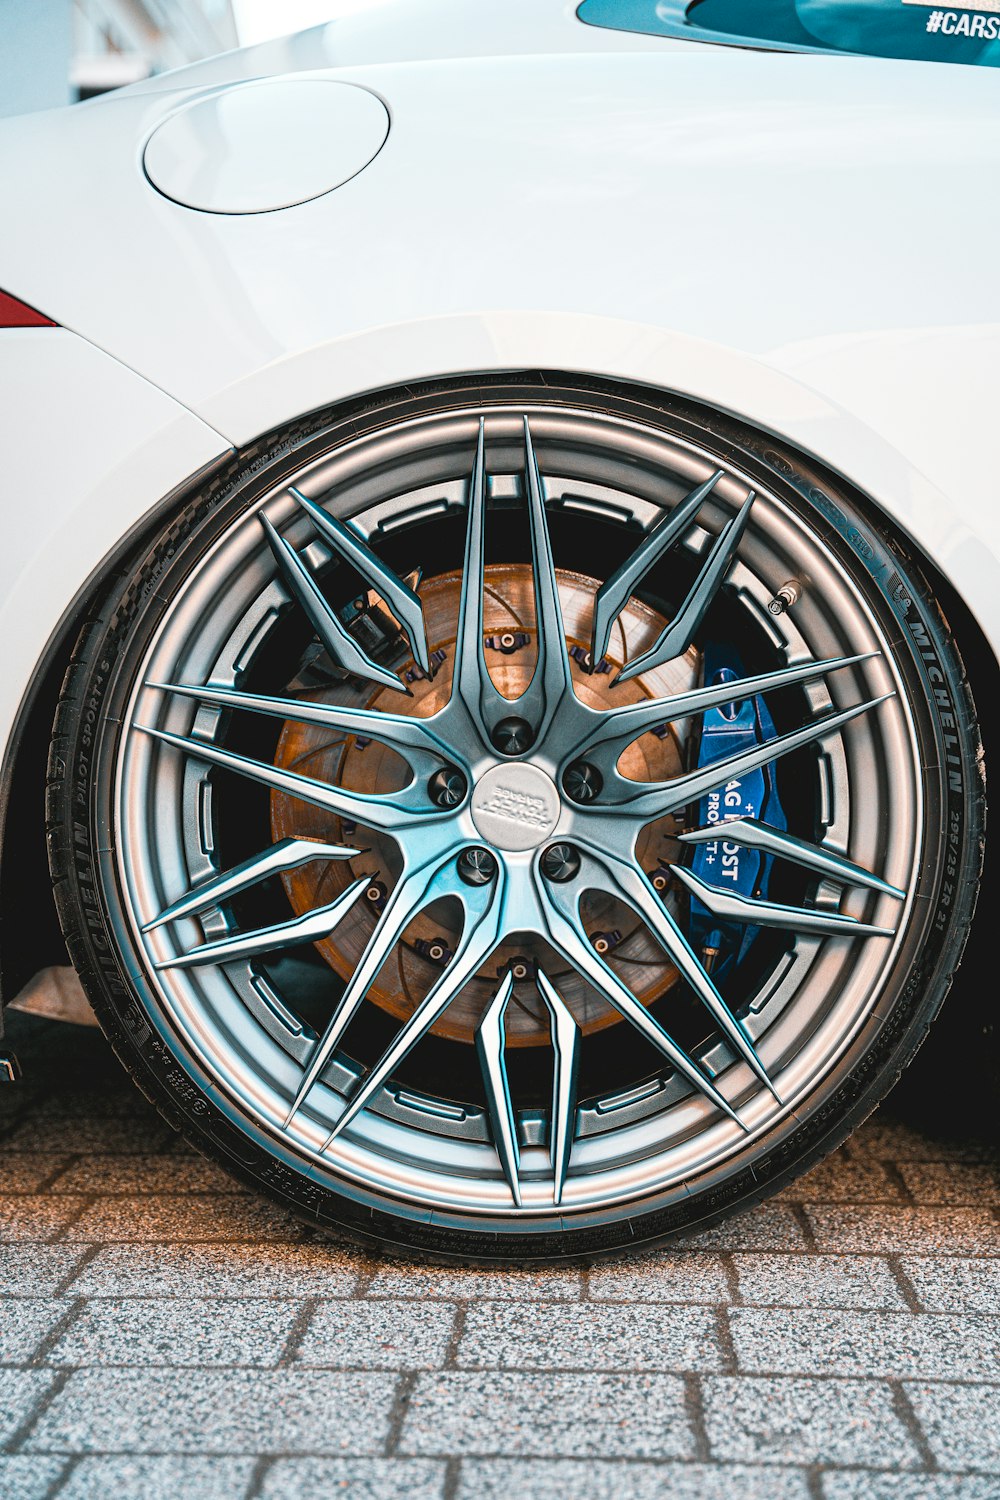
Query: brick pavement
x=163, y=1333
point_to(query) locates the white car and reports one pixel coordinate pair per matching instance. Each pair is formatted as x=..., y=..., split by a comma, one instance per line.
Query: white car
x=497, y=499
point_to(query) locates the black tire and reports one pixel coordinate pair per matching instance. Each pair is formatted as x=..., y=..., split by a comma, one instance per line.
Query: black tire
x=82, y=763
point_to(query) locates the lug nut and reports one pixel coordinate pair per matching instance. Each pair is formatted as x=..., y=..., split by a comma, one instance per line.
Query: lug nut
x=560, y=862
x=582, y=781
x=513, y=736
x=477, y=866
x=448, y=787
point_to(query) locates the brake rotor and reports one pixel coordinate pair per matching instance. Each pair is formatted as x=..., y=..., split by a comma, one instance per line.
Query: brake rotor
x=366, y=766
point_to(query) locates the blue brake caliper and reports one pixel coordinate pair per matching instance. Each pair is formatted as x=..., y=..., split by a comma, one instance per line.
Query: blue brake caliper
x=727, y=731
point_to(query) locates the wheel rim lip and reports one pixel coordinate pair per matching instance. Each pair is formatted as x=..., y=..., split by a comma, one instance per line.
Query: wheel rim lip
x=350, y=1162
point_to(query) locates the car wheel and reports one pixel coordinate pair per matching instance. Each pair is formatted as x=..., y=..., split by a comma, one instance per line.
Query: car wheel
x=386, y=806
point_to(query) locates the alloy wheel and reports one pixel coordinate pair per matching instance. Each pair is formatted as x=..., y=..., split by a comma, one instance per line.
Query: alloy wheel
x=317, y=726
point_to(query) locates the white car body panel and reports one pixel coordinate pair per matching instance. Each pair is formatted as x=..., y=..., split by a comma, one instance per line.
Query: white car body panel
x=792, y=238
x=67, y=413
x=417, y=31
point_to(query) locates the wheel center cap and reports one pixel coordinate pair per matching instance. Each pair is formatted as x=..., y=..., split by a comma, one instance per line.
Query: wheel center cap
x=516, y=806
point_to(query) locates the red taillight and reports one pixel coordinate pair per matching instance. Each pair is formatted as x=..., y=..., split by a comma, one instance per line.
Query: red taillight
x=14, y=314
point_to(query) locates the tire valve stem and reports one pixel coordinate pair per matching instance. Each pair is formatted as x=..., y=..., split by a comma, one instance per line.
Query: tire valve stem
x=790, y=593
x=708, y=958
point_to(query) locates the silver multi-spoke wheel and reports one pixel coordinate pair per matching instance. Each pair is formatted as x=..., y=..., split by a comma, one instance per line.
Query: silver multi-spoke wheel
x=414, y=817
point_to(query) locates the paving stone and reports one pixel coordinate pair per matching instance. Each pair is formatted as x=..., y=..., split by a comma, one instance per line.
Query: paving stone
x=817, y=1281
x=865, y=1485
x=20, y=1392
x=25, y=1171
x=112, y=1097
x=32, y=1216
x=396, y=1279
x=36, y=1270
x=901, y=1231
x=180, y=1331
x=887, y=1344
x=961, y=1423
x=511, y=1479
x=383, y=1335
x=251, y=1270
x=952, y=1182
x=771, y=1226
x=553, y=1415
x=106, y=1173
x=892, y=1140
x=202, y=1275
x=185, y=1217
x=535, y=1336
x=28, y=1478
x=687, y=1276
x=360, y=1478
x=216, y=1411
x=87, y=1132
x=784, y=1420
x=158, y=1478
x=954, y=1285
x=24, y=1323
x=840, y=1179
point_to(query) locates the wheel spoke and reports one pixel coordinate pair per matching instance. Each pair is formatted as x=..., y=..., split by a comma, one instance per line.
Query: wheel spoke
x=750, y=834
x=679, y=634
x=289, y=854
x=341, y=645
x=471, y=682
x=613, y=595
x=735, y=908
x=637, y=892
x=491, y=1046
x=565, y=935
x=387, y=812
x=413, y=892
x=551, y=685
x=565, y=1036
x=413, y=739
x=308, y=929
x=479, y=938
x=402, y=600
x=656, y=799
x=617, y=728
